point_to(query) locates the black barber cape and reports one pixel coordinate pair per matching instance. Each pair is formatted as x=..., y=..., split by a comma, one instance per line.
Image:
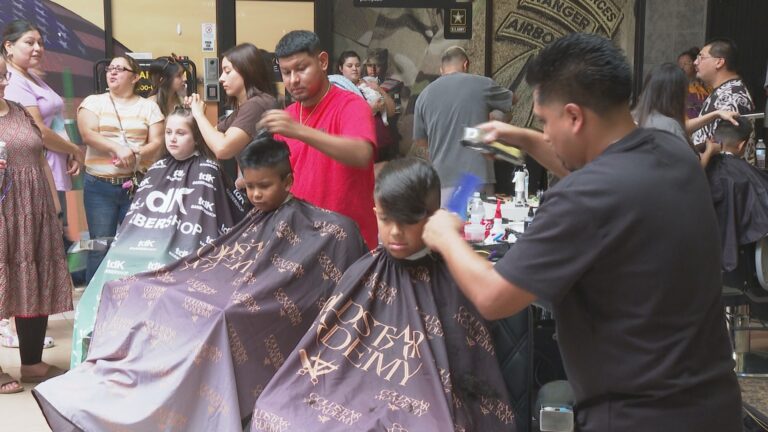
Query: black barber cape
x=740, y=194
x=625, y=250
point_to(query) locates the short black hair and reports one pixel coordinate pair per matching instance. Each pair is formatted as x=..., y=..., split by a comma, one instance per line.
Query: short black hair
x=408, y=190
x=725, y=49
x=298, y=41
x=266, y=152
x=691, y=53
x=730, y=135
x=584, y=69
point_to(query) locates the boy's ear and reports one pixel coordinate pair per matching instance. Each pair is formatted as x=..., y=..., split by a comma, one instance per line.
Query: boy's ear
x=288, y=182
x=740, y=146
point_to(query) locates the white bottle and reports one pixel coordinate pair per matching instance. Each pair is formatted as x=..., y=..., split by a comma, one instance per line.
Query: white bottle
x=760, y=154
x=496, y=229
x=520, y=180
x=4, y=158
x=476, y=209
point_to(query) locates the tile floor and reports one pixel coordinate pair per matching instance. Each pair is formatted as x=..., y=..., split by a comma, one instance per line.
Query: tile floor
x=19, y=412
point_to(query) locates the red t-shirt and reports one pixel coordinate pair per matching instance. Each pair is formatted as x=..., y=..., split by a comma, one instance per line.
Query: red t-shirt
x=326, y=182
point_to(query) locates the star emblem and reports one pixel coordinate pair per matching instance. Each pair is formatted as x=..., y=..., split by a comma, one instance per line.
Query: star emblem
x=458, y=16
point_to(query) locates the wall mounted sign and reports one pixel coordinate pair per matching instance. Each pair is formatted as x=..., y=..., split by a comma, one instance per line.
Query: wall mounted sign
x=457, y=21
x=209, y=37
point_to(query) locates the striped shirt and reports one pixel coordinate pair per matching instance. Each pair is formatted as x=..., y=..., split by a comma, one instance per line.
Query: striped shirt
x=136, y=119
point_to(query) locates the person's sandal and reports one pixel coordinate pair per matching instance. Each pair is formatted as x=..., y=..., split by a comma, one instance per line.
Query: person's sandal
x=6, y=379
x=52, y=372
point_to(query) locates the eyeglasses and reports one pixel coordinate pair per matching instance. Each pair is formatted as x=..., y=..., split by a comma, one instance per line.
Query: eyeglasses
x=6, y=77
x=119, y=69
x=704, y=57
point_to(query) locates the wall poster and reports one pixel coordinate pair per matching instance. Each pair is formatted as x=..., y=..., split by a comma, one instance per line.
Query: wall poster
x=413, y=40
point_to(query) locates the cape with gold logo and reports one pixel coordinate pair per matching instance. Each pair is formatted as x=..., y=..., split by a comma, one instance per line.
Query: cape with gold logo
x=191, y=345
x=397, y=347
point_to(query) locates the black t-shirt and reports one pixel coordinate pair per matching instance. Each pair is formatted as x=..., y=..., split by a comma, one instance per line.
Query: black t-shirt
x=626, y=252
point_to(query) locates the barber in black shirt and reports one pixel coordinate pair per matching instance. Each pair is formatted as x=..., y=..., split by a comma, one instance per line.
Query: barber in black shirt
x=624, y=249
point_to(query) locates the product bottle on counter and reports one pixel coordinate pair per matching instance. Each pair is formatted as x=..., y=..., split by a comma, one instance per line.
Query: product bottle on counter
x=760, y=153
x=498, y=226
x=476, y=209
x=529, y=218
x=519, y=181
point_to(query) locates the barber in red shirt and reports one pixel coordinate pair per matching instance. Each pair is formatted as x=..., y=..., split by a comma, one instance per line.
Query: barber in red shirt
x=330, y=133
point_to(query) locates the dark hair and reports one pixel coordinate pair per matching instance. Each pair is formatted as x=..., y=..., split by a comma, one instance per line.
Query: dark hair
x=725, y=49
x=691, y=53
x=14, y=31
x=454, y=53
x=162, y=72
x=408, y=190
x=298, y=41
x=251, y=63
x=664, y=91
x=729, y=134
x=343, y=58
x=266, y=152
x=584, y=69
x=196, y=135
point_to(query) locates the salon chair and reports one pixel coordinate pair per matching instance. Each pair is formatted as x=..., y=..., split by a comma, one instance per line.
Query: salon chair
x=745, y=296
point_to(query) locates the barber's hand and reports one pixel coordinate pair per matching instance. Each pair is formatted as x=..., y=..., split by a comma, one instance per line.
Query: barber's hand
x=730, y=116
x=240, y=183
x=499, y=131
x=441, y=228
x=3, y=164
x=196, y=104
x=125, y=157
x=279, y=122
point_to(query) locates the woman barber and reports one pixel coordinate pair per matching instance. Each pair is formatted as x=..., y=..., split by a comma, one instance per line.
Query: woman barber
x=247, y=81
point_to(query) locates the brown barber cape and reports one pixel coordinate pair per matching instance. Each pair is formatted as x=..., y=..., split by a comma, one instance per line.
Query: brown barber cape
x=188, y=347
x=398, y=348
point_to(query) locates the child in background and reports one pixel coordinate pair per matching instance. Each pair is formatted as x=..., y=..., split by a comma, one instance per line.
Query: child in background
x=396, y=346
x=739, y=191
x=184, y=202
